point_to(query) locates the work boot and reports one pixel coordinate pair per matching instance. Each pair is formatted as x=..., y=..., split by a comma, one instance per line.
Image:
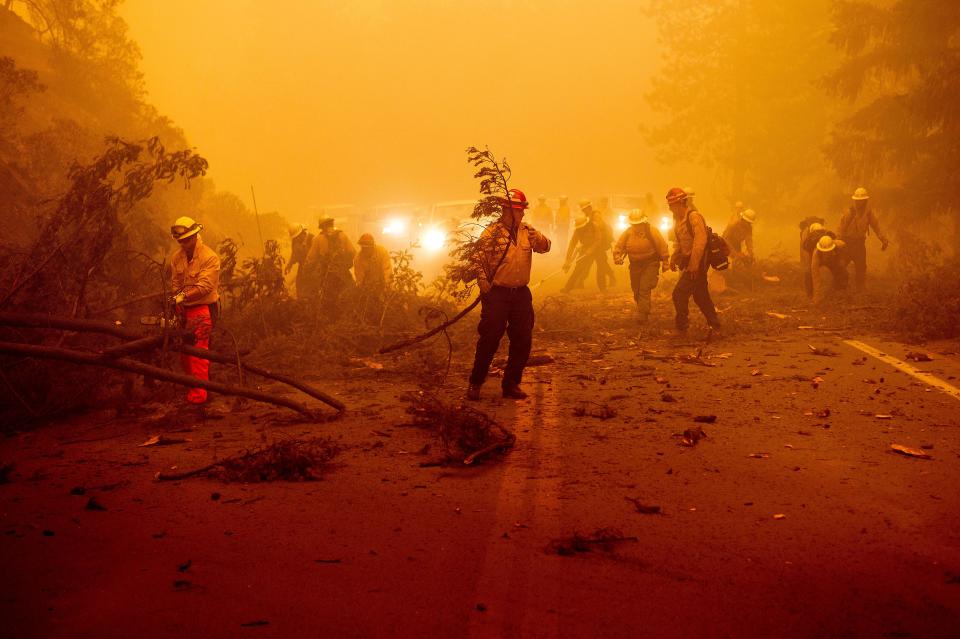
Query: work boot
x=473, y=392
x=514, y=392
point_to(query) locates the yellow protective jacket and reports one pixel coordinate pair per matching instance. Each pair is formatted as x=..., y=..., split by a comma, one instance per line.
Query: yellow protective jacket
x=198, y=278
x=641, y=244
x=690, y=246
x=373, y=268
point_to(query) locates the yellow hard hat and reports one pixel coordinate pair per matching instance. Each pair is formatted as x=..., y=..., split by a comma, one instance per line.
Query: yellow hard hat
x=860, y=194
x=816, y=226
x=296, y=230
x=749, y=216
x=581, y=221
x=637, y=217
x=826, y=244
x=185, y=227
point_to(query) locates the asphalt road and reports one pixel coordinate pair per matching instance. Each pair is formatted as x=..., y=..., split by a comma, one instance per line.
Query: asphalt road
x=791, y=517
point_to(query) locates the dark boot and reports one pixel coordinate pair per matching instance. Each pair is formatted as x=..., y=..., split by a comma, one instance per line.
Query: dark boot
x=473, y=392
x=514, y=392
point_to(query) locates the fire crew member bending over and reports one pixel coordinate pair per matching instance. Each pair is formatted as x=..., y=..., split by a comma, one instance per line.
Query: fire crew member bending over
x=504, y=257
x=194, y=274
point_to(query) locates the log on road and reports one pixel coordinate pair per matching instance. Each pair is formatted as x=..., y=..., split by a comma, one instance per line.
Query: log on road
x=134, y=366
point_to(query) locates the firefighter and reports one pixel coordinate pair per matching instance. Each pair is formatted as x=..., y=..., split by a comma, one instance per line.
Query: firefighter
x=330, y=259
x=561, y=223
x=811, y=237
x=648, y=251
x=689, y=257
x=542, y=214
x=830, y=254
x=300, y=241
x=504, y=259
x=374, y=272
x=582, y=247
x=194, y=275
x=855, y=225
x=739, y=237
x=605, y=275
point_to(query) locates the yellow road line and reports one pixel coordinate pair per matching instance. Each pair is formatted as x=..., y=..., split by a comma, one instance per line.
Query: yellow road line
x=923, y=376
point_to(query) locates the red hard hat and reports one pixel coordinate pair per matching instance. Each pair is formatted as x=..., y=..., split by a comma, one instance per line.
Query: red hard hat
x=517, y=199
x=676, y=194
x=365, y=240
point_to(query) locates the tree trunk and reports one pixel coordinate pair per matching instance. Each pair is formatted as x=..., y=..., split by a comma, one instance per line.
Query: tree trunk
x=133, y=366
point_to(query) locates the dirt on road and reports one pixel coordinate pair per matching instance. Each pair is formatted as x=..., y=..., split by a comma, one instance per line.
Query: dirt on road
x=744, y=485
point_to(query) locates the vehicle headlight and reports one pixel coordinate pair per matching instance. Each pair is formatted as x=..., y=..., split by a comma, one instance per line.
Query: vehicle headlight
x=433, y=240
x=665, y=224
x=396, y=226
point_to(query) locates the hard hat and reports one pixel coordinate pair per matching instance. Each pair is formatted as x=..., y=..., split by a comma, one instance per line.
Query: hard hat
x=826, y=244
x=563, y=198
x=860, y=194
x=676, y=194
x=581, y=221
x=586, y=204
x=296, y=230
x=365, y=240
x=748, y=216
x=185, y=227
x=738, y=204
x=325, y=221
x=637, y=217
x=517, y=200
x=542, y=198
x=816, y=226
x=689, y=191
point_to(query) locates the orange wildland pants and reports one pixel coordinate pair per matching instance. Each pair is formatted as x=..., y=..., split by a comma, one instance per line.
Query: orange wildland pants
x=198, y=319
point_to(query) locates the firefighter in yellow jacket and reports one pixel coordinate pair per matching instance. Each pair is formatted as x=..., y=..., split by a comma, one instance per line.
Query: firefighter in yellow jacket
x=194, y=274
x=373, y=271
x=648, y=252
x=855, y=225
x=329, y=260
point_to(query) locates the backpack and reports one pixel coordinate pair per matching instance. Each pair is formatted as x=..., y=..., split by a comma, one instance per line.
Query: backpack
x=717, y=250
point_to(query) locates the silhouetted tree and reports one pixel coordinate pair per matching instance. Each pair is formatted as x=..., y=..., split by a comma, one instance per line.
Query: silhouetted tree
x=738, y=89
x=902, y=73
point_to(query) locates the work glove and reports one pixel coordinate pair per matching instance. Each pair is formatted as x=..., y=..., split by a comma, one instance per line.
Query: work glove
x=179, y=298
x=618, y=261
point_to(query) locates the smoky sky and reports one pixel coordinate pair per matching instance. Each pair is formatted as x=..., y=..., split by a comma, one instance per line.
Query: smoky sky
x=366, y=101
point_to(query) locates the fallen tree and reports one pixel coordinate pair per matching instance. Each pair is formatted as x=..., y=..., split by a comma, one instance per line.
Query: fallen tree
x=155, y=372
x=137, y=343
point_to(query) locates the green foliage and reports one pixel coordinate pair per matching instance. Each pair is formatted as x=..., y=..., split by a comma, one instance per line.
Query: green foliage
x=461, y=272
x=407, y=281
x=901, y=74
x=927, y=303
x=256, y=279
x=65, y=265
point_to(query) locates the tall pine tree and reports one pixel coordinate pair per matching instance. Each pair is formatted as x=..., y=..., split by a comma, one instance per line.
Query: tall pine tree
x=902, y=73
x=739, y=93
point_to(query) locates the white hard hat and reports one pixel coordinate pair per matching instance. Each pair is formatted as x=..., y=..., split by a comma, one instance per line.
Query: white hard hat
x=296, y=230
x=749, y=216
x=584, y=203
x=637, y=217
x=826, y=244
x=185, y=227
x=816, y=226
x=581, y=221
x=738, y=204
x=860, y=194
